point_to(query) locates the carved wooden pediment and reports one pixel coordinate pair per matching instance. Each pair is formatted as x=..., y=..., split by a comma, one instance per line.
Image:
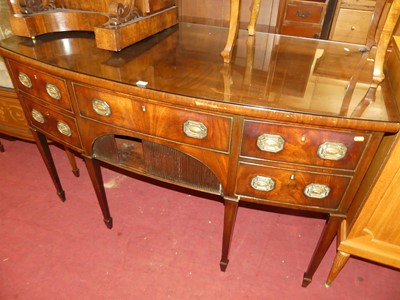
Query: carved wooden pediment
x=116, y=23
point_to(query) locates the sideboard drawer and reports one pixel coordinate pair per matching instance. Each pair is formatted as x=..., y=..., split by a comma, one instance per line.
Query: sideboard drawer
x=303, y=145
x=42, y=85
x=58, y=126
x=304, y=13
x=291, y=186
x=182, y=125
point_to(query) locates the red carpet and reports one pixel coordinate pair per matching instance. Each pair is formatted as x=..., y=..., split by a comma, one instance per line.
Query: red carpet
x=165, y=244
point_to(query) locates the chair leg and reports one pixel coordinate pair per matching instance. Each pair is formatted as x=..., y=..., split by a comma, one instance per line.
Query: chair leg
x=233, y=30
x=253, y=18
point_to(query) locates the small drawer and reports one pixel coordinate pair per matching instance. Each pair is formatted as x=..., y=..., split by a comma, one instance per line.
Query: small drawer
x=352, y=26
x=303, y=145
x=43, y=86
x=57, y=126
x=304, y=13
x=291, y=186
x=184, y=126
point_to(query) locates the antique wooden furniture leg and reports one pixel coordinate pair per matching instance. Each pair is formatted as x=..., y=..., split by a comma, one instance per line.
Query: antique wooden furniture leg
x=253, y=18
x=44, y=150
x=93, y=167
x=233, y=30
x=231, y=206
x=234, y=26
x=330, y=230
x=380, y=4
x=383, y=44
x=72, y=162
x=341, y=259
x=371, y=35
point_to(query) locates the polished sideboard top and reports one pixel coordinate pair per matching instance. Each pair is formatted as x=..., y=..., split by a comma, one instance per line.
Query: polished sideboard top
x=282, y=76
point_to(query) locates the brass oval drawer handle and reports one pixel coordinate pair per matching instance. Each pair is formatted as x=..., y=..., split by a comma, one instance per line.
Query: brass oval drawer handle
x=25, y=80
x=37, y=116
x=262, y=183
x=195, y=129
x=53, y=91
x=316, y=190
x=270, y=143
x=101, y=107
x=332, y=151
x=64, y=128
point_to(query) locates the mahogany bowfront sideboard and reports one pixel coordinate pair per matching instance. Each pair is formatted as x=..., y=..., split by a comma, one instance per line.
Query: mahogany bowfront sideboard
x=274, y=127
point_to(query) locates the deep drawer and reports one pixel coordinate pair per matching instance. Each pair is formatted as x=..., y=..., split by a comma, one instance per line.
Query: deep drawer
x=181, y=125
x=303, y=145
x=54, y=124
x=291, y=186
x=46, y=87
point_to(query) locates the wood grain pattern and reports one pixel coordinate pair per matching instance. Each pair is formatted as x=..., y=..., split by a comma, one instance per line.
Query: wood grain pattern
x=372, y=232
x=117, y=24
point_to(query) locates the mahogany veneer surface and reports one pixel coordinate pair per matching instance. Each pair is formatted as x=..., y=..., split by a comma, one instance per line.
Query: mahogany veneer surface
x=185, y=61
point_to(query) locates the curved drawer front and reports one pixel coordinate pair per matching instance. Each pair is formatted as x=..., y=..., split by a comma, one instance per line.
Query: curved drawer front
x=303, y=145
x=291, y=186
x=46, y=87
x=57, y=126
x=180, y=125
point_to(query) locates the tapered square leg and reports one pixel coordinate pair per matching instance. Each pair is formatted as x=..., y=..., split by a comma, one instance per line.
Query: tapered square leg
x=231, y=206
x=72, y=162
x=328, y=233
x=44, y=150
x=93, y=167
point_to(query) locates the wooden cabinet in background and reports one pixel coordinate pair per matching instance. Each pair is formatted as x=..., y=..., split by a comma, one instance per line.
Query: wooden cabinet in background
x=352, y=21
x=302, y=18
x=372, y=233
x=12, y=118
x=375, y=233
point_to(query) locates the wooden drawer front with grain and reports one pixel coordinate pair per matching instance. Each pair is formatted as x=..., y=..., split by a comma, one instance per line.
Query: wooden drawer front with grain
x=303, y=145
x=352, y=26
x=184, y=126
x=56, y=125
x=304, y=13
x=45, y=87
x=291, y=186
x=303, y=30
